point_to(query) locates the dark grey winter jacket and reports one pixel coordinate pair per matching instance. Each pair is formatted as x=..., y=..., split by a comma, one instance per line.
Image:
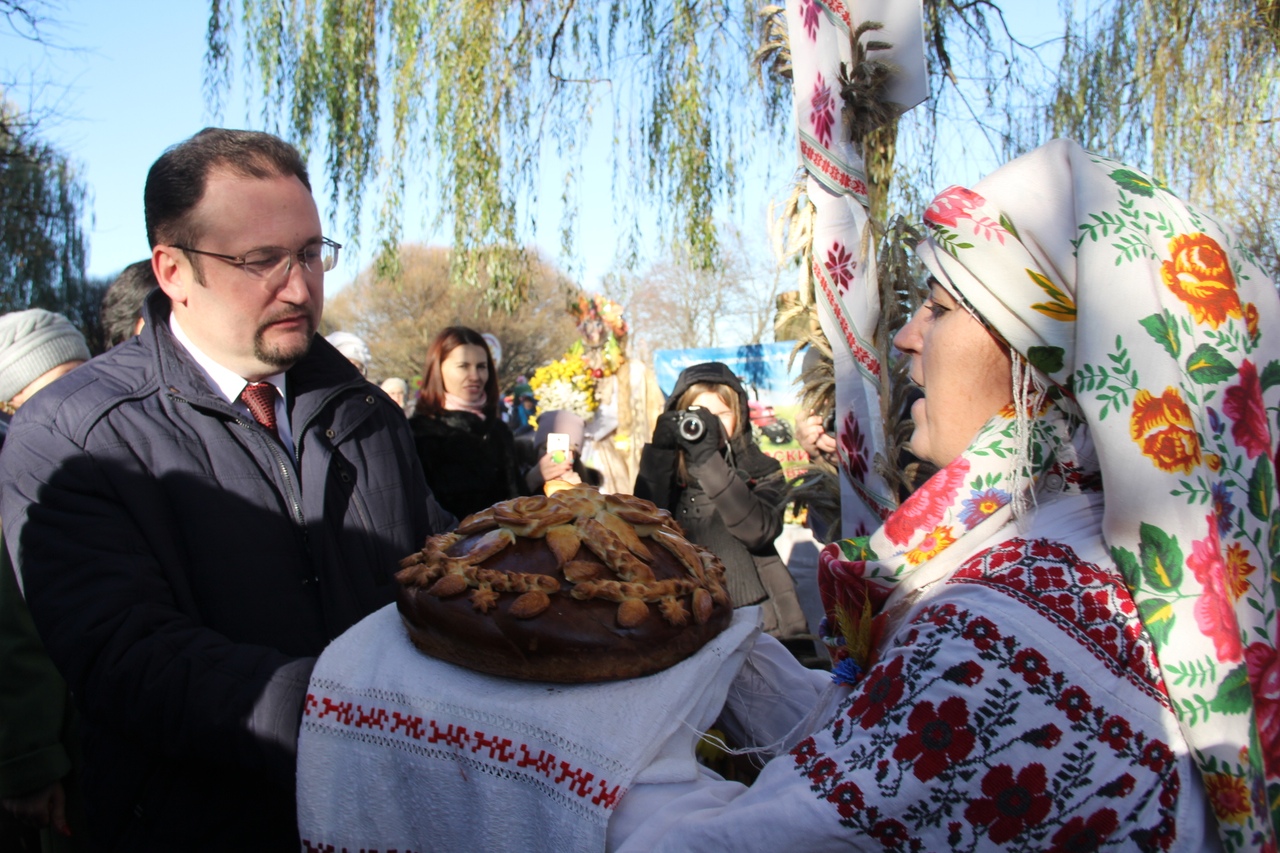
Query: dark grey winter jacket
x=733, y=505
x=184, y=571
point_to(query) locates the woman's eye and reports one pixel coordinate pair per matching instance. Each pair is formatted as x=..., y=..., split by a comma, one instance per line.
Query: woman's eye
x=935, y=310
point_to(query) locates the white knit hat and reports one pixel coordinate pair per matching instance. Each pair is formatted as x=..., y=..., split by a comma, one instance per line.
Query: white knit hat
x=32, y=343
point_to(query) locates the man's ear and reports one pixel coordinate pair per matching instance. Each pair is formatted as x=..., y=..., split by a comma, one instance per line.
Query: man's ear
x=173, y=272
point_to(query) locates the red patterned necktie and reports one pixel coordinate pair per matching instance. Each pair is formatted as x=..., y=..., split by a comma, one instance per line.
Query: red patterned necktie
x=260, y=397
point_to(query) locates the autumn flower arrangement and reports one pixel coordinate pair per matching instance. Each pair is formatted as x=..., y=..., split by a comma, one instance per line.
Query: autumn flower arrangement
x=566, y=384
x=607, y=310
x=603, y=329
x=571, y=382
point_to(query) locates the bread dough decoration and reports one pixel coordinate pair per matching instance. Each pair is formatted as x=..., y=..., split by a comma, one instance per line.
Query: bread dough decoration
x=576, y=586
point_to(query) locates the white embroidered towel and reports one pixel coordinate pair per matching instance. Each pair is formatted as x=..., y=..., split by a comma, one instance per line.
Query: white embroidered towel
x=404, y=752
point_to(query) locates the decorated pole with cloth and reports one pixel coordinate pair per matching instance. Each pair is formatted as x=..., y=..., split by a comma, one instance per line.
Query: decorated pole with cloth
x=830, y=40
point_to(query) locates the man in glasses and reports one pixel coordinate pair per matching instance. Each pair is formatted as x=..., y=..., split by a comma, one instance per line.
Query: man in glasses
x=197, y=513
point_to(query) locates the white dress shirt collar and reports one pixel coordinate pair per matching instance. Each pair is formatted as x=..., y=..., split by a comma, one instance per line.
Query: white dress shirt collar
x=229, y=384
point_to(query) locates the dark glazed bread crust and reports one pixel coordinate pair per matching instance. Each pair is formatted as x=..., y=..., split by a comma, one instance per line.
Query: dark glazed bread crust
x=573, y=640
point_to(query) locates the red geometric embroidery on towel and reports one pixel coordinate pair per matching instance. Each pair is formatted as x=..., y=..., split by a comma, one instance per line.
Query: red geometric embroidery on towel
x=492, y=748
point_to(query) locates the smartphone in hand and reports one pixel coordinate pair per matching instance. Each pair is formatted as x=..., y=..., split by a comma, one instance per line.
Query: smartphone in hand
x=558, y=446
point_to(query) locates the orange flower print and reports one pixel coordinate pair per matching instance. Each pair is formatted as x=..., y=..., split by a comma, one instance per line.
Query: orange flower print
x=1198, y=274
x=1235, y=578
x=1251, y=320
x=1229, y=796
x=934, y=543
x=1162, y=427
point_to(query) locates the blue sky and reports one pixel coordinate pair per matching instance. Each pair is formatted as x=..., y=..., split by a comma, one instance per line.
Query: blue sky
x=130, y=84
x=131, y=88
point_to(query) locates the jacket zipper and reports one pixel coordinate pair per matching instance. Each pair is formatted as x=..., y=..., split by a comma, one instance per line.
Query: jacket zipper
x=290, y=492
x=283, y=467
x=274, y=447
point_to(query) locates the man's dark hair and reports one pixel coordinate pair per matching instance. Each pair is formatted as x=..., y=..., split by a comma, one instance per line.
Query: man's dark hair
x=122, y=303
x=177, y=180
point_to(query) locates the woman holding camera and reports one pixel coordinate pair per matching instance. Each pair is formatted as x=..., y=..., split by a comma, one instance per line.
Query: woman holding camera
x=703, y=466
x=467, y=452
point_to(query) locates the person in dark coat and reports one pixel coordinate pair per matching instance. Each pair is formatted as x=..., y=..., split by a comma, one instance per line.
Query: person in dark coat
x=39, y=734
x=121, y=311
x=467, y=452
x=198, y=512
x=727, y=494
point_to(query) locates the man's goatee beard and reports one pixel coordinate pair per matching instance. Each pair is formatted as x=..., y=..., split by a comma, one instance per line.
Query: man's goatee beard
x=281, y=356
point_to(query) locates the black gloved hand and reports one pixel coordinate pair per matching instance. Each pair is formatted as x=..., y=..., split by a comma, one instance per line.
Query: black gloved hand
x=665, y=430
x=709, y=443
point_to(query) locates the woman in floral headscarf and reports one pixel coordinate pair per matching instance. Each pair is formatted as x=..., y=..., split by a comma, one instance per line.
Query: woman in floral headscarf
x=1066, y=639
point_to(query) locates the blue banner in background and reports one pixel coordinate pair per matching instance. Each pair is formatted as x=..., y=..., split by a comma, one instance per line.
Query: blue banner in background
x=773, y=391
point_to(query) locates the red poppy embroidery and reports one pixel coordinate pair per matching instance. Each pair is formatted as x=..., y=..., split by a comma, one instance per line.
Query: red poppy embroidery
x=1031, y=665
x=912, y=763
x=1074, y=702
x=805, y=750
x=847, y=797
x=881, y=691
x=982, y=633
x=1116, y=732
x=892, y=834
x=823, y=770
x=936, y=738
x=1081, y=835
x=1156, y=756
x=1012, y=804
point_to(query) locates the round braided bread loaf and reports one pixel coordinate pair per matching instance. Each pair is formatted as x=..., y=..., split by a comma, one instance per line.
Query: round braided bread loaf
x=573, y=587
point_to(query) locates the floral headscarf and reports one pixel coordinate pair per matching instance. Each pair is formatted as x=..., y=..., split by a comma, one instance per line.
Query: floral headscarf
x=1160, y=337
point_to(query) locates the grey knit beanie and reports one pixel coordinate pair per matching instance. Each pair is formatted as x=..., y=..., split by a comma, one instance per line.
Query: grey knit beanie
x=32, y=343
x=353, y=347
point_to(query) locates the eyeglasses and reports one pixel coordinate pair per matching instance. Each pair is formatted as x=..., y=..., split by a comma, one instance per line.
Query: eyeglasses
x=273, y=263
